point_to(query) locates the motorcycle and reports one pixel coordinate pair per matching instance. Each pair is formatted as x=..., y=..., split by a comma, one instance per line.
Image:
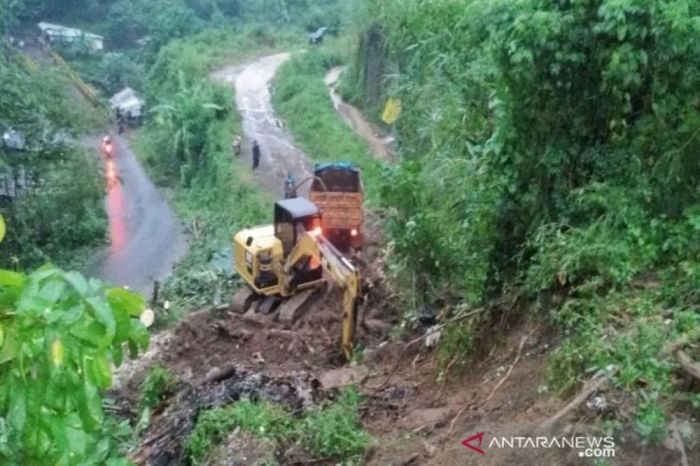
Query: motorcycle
x=108, y=148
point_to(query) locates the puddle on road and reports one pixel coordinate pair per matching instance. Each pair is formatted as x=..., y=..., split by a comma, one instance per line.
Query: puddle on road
x=115, y=211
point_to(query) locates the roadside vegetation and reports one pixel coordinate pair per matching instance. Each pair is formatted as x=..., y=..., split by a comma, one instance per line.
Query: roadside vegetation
x=50, y=188
x=187, y=147
x=327, y=433
x=553, y=173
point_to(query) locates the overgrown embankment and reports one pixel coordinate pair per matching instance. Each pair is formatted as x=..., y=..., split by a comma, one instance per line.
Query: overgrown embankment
x=548, y=158
x=51, y=187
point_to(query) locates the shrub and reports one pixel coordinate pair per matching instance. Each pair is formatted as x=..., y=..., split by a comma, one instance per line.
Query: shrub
x=159, y=384
x=333, y=431
x=336, y=431
x=259, y=418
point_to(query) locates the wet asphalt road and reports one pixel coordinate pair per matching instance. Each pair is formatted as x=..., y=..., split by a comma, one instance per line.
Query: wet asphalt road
x=146, y=239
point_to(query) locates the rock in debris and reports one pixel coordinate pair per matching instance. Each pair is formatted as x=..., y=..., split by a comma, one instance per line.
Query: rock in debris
x=433, y=335
x=597, y=403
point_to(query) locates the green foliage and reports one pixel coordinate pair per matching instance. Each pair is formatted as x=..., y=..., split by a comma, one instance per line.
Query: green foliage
x=301, y=98
x=457, y=343
x=158, y=385
x=547, y=152
x=60, y=336
x=186, y=121
x=260, y=418
x=336, y=431
x=651, y=420
x=333, y=431
x=52, y=193
x=111, y=72
x=506, y=92
x=59, y=219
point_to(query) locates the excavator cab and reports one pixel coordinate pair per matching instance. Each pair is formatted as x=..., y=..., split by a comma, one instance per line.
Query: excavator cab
x=294, y=218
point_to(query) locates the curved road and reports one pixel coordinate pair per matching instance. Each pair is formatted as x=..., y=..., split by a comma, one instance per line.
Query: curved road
x=146, y=239
x=279, y=154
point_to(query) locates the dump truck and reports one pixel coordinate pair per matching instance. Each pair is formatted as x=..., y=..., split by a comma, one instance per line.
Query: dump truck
x=337, y=191
x=284, y=263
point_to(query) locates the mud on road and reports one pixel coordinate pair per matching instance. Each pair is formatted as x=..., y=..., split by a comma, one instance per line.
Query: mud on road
x=279, y=153
x=381, y=146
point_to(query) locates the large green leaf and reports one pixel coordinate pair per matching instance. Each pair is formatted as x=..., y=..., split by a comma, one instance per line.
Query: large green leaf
x=131, y=302
x=104, y=315
x=59, y=339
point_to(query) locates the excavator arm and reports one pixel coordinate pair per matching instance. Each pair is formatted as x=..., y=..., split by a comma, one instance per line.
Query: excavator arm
x=337, y=267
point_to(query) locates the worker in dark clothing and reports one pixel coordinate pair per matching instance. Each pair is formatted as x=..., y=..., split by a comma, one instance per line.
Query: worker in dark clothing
x=290, y=189
x=256, y=154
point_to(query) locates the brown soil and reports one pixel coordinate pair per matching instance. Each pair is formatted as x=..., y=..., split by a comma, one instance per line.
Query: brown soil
x=381, y=146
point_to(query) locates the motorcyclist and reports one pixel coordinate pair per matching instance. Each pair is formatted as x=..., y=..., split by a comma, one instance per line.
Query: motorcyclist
x=236, y=145
x=290, y=189
x=107, y=147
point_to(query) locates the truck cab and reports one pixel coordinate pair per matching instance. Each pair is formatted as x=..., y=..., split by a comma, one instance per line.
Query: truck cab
x=337, y=191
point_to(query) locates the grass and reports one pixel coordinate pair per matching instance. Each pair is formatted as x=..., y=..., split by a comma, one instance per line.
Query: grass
x=330, y=432
x=302, y=100
x=158, y=385
x=336, y=431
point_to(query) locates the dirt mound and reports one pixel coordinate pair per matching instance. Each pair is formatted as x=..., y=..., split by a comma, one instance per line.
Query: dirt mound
x=163, y=441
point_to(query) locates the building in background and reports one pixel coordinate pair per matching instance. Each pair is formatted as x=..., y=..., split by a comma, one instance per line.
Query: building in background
x=56, y=34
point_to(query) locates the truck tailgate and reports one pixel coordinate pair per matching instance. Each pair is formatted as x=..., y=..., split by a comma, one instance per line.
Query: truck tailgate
x=339, y=210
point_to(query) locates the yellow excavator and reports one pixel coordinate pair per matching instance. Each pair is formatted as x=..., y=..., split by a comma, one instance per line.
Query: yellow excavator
x=284, y=263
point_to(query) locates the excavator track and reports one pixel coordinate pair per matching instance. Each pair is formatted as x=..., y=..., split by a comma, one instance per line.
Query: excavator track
x=243, y=300
x=265, y=308
x=292, y=308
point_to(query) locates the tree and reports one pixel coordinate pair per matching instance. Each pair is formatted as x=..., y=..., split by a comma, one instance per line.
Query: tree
x=186, y=120
x=52, y=214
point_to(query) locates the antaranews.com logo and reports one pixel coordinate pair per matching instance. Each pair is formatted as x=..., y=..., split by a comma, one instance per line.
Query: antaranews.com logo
x=587, y=446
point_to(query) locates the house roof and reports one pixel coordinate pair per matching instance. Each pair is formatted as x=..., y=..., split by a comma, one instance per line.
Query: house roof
x=126, y=99
x=65, y=31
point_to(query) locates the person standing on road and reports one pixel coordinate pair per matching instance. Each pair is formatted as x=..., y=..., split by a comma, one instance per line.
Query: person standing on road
x=290, y=189
x=256, y=154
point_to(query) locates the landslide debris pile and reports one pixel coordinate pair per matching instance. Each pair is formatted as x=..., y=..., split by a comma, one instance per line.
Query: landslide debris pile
x=163, y=442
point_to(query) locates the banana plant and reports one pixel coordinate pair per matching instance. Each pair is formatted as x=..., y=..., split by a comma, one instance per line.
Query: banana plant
x=186, y=119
